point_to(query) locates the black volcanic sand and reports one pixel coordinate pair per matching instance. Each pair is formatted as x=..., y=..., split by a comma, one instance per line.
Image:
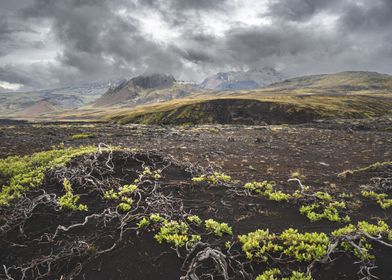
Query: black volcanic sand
x=245, y=153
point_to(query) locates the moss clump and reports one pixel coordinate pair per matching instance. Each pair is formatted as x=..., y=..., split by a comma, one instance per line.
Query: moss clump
x=82, y=136
x=20, y=173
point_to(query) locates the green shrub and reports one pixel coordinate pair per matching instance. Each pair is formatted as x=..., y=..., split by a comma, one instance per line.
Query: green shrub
x=143, y=223
x=194, y=219
x=272, y=274
x=304, y=246
x=266, y=189
x=20, y=173
x=125, y=204
x=69, y=200
x=298, y=246
x=110, y=195
x=325, y=210
x=127, y=189
x=256, y=244
x=362, y=235
x=214, y=179
x=217, y=228
x=173, y=232
x=380, y=198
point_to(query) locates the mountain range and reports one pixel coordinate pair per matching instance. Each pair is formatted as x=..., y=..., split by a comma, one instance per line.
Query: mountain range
x=253, y=96
x=31, y=104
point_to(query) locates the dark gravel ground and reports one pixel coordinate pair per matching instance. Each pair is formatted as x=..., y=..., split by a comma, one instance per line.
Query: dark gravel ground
x=245, y=152
x=319, y=152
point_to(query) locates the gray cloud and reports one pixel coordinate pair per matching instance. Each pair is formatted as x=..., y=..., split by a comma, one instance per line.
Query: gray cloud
x=299, y=10
x=100, y=39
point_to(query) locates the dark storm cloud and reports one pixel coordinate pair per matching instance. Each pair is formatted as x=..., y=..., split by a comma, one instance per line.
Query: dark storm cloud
x=97, y=42
x=299, y=10
x=180, y=5
x=102, y=39
x=375, y=16
x=9, y=29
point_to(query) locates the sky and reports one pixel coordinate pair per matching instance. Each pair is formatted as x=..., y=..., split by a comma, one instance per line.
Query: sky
x=51, y=43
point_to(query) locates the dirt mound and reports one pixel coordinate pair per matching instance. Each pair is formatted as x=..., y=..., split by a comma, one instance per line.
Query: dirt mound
x=229, y=111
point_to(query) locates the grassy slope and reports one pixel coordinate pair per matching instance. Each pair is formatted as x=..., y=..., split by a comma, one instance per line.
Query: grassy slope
x=345, y=95
x=319, y=106
x=342, y=95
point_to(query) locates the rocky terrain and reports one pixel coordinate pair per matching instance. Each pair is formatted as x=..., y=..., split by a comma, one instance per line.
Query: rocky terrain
x=143, y=89
x=105, y=243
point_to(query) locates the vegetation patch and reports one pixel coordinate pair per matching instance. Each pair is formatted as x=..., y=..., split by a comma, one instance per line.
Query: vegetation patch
x=381, y=198
x=142, y=206
x=81, y=136
x=275, y=274
x=69, y=200
x=18, y=174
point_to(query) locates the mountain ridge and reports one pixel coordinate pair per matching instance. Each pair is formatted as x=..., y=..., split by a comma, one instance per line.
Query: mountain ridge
x=238, y=80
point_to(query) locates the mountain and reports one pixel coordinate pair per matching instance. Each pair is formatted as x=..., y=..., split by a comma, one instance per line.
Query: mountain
x=349, y=94
x=144, y=89
x=160, y=99
x=237, y=80
x=348, y=82
x=35, y=103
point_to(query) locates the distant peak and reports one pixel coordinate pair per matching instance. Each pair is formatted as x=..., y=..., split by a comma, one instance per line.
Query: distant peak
x=153, y=80
x=254, y=78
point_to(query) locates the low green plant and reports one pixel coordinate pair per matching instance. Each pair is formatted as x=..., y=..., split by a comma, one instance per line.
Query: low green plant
x=256, y=244
x=156, y=218
x=194, y=219
x=380, y=198
x=110, y=195
x=298, y=246
x=272, y=274
x=323, y=196
x=170, y=231
x=69, y=201
x=296, y=275
x=371, y=167
x=125, y=204
x=215, y=179
x=306, y=246
x=266, y=189
x=173, y=232
x=148, y=172
x=217, y=228
x=81, y=136
x=18, y=174
x=357, y=239
x=143, y=223
x=325, y=210
x=127, y=189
